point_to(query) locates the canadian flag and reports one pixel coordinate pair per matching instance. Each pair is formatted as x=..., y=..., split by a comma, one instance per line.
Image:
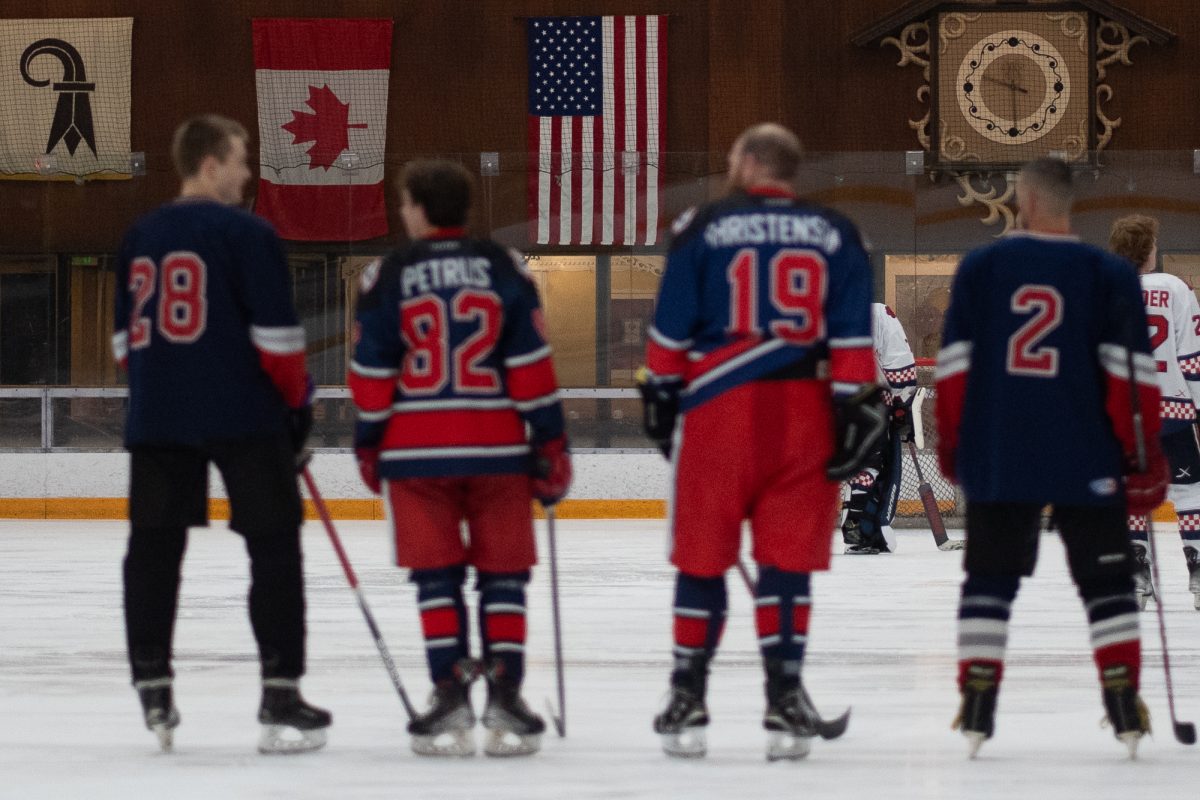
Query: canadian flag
x=322, y=124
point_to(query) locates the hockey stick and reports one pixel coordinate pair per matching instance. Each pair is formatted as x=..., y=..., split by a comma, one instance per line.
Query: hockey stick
x=388, y=663
x=825, y=728
x=559, y=719
x=1185, y=732
x=932, y=513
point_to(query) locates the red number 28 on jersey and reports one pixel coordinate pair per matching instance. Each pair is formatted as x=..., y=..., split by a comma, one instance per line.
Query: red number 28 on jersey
x=182, y=302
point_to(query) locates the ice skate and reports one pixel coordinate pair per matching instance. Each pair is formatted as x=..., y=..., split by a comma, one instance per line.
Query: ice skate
x=681, y=724
x=977, y=714
x=290, y=725
x=1143, y=586
x=158, y=709
x=1128, y=715
x=1193, y=564
x=447, y=728
x=861, y=550
x=790, y=721
x=512, y=728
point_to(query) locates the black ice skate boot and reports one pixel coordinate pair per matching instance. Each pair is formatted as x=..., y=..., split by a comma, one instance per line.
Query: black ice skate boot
x=1143, y=585
x=290, y=725
x=681, y=725
x=446, y=729
x=1127, y=713
x=158, y=709
x=977, y=714
x=1193, y=563
x=790, y=721
x=513, y=729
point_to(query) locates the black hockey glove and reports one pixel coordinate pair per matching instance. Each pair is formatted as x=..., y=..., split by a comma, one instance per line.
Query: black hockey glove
x=859, y=422
x=900, y=425
x=299, y=425
x=660, y=406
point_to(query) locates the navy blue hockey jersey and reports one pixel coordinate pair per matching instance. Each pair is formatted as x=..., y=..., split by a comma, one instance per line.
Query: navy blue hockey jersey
x=206, y=326
x=451, y=361
x=1034, y=401
x=758, y=283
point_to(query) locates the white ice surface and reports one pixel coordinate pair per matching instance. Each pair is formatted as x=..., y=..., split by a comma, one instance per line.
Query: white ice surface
x=882, y=639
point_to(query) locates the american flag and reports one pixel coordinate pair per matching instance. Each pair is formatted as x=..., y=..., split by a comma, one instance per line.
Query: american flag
x=596, y=128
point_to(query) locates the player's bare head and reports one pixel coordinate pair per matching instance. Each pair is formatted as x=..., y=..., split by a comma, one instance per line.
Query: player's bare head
x=202, y=136
x=441, y=189
x=764, y=153
x=1135, y=237
x=1045, y=186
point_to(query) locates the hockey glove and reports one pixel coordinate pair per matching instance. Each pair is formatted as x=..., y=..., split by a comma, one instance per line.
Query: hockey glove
x=1145, y=491
x=551, y=471
x=860, y=421
x=900, y=426
x=660, y=407
x=368, y=467
x=299, y=426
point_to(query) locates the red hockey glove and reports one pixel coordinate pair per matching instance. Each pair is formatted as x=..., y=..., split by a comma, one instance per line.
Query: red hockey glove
x=1145, y=491
x=551, y=471
x=368, y=467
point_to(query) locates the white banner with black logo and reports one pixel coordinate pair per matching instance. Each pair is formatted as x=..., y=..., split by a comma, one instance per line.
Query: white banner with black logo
x=64, y=97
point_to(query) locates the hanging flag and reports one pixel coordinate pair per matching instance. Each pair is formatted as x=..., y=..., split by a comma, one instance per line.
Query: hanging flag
x=64, y=98
x=596, y=128
x=322, y=124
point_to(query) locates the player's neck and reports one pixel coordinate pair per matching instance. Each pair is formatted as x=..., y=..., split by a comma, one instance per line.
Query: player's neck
x=192, y=189
x=1053, y=226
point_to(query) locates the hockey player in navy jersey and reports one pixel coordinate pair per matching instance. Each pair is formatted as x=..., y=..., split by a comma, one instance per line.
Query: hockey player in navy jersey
x=451, y=367
x=866, y=529
x=1035, y=408
x=206, y=328
x=759, y=385
x=1174, y=318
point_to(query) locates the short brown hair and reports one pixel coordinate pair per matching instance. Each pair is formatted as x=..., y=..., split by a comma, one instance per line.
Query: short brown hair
x=1052, y=180
x=775, y=147
x=205, y=135
x=442, y=188
x=1134, y=237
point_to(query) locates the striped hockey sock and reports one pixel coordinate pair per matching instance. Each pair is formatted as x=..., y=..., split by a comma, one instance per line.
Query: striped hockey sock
x=443, y=618
x=1137, y=529
x=983, y=613
x=782, y=605
x=502, y=621
x=1113, y=622
x=1189, y=527
x=700, y=608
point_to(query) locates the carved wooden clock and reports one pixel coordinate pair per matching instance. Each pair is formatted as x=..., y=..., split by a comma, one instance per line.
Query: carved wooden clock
x=1011, y=85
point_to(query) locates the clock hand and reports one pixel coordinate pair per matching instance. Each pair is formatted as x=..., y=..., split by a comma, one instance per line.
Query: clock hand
x=1008, y=84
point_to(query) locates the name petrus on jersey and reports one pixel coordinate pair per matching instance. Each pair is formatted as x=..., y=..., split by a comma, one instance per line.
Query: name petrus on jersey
x=445, y=273
x=741, y=229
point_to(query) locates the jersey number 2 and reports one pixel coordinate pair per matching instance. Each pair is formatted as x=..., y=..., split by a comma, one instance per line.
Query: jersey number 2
x=1026, y=356
x=423, y=326
x=182, y=304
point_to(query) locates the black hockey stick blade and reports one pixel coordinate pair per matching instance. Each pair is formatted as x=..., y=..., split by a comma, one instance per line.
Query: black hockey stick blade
x=1185, y=733
x=560, y=727
x=827, y=728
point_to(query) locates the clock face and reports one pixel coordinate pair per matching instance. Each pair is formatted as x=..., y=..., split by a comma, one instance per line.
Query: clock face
x=1012, y=86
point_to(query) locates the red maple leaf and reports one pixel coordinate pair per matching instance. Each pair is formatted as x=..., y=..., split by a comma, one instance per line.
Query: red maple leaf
x=327, y=128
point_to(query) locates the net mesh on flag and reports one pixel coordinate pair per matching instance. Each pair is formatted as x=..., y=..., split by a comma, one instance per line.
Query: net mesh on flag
x=65, y=102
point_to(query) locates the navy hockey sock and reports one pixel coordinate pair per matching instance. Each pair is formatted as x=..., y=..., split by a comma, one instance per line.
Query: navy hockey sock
x=443, y=618
x=983, y=613
x=700, y=608
x=1112, y=613
x=782, y=605
x=502, y=621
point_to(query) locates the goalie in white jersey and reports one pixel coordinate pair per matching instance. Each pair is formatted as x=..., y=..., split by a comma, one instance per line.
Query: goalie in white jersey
x=1174, y=319
x=873, y=491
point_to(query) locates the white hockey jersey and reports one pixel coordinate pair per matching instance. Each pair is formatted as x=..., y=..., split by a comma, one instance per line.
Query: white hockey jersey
x=1174, y=318
x=896, y=367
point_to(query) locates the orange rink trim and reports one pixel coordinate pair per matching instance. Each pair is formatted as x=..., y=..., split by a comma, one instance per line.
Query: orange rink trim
x=115, y=508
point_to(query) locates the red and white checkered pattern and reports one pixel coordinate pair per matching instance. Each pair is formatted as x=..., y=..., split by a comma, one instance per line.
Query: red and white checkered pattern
x=901, y=377
x=1189, y=521
x=1170, y=408
x=1190, y=365
x=1136, y=523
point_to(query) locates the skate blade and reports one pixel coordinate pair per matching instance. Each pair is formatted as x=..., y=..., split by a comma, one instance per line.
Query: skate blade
x=783, y=746
x=1141, y=601
x=505, y=744
x=166, y=736
x=975, y=740
x=1130, y=739
x=860, y=550
x=688, y=743
x=952, y=544
x=457, y=744
x=285, y=740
